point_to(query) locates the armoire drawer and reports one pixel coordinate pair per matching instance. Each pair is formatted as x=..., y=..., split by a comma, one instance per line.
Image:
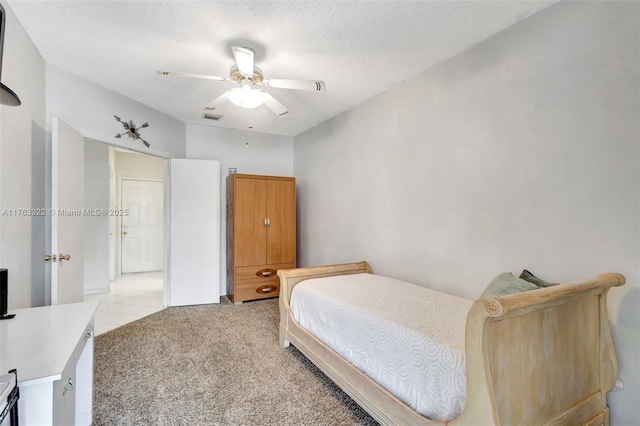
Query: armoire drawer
x=260, y=273
x=256, y=290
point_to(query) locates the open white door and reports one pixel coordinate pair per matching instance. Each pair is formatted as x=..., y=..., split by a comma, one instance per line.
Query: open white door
x=67, y=211
x=192, y=267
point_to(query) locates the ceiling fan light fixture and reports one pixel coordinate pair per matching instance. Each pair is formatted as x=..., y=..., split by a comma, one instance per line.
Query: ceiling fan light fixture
x=246, y=97
x=249, y=77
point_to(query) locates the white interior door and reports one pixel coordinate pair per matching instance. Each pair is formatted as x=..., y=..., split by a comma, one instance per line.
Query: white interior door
x=141, y=228
x=67, y=204
x=192, y=269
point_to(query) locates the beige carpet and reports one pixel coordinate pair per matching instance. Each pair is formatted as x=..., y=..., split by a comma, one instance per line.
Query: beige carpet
x=212, y=365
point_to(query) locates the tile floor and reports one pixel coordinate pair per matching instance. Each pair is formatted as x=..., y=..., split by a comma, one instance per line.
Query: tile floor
x=132, y=297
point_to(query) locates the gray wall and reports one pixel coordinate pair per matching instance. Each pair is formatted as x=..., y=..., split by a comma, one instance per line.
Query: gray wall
x=22, y=168
x=265, y=155
x=522, y=152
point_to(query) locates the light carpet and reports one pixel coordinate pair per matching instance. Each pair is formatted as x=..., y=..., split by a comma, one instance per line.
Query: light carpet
x=212, y=365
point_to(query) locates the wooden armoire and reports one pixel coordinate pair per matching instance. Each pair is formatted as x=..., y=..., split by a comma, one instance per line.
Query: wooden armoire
x=261, y=234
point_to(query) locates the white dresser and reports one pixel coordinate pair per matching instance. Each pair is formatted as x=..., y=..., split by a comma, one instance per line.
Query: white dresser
x=52, y=349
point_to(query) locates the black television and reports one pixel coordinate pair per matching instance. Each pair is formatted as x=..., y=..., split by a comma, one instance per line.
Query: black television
x=4, y=294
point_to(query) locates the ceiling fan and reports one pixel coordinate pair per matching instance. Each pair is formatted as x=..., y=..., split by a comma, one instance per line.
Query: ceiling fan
x=250, y=77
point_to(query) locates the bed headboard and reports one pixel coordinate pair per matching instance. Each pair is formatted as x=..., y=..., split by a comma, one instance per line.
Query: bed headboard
x=575, y=365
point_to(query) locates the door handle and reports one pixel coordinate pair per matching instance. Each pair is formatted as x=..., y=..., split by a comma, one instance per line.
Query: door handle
x=124, y=232
x=54, y=258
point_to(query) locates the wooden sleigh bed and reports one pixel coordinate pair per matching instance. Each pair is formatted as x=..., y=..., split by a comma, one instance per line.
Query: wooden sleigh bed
x=566, y=325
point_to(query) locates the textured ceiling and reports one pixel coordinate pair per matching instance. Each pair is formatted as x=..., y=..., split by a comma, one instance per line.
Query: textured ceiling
x=359, y=48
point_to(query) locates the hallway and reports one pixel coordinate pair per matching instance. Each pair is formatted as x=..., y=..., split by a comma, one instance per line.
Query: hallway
x=132, y=297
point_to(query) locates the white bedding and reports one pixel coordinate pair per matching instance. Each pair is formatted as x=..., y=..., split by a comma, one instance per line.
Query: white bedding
x=407, y=338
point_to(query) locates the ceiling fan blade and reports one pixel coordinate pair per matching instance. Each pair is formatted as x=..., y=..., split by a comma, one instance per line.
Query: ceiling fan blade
x=274, y=105
x=186, y=74
x=218, y=101
x=244, y=59
x=312, y=85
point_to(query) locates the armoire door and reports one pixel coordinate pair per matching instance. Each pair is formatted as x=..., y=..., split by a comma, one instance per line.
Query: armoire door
x=281, y=231
x=250, y=213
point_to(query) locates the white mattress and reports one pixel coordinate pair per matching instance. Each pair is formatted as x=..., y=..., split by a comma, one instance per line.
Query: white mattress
x=407, y=338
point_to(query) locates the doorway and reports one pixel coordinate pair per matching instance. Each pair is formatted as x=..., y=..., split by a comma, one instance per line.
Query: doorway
x=191, y=274
x=127, y=275
x=136, y=188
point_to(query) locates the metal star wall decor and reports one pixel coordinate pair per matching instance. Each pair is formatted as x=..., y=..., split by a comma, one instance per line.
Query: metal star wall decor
x=131, y=130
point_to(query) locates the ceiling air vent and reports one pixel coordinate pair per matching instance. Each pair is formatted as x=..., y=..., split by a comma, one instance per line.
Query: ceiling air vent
x=209, y=116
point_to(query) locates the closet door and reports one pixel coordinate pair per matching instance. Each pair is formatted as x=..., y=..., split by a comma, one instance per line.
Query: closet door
x=192, y=266
x=250, y=233
x=281, y=211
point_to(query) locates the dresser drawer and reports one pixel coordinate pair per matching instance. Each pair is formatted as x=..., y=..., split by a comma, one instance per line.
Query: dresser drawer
x=257, y=282
x=260, y=273
x=256, y=290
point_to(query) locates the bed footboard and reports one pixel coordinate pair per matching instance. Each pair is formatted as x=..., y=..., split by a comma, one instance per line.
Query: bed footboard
x=543, y=357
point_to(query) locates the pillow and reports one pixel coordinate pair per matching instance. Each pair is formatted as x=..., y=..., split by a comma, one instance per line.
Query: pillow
x=507, y=283
x=528, y=276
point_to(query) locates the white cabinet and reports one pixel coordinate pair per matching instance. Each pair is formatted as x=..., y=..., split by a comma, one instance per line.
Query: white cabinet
x=64, y=397
x=52, y=349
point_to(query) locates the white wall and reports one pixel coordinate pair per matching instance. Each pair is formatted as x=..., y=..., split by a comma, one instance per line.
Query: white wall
x=265, y=155
x=22, y=165
x=522, y=152
x=89, y=108
x=96, y=228
x=140, y=166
